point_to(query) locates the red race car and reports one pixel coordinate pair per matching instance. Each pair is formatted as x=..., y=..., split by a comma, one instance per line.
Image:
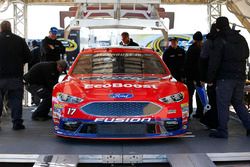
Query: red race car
x=119, y=93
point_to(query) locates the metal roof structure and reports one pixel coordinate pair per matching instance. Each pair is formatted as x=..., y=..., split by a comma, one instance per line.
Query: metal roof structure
x=67, y=2
x=241, y=8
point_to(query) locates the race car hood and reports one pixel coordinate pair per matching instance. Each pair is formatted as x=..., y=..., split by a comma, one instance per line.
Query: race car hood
x=121, y=87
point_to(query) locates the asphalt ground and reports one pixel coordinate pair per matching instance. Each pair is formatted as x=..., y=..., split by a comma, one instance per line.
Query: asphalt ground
x=38, y=138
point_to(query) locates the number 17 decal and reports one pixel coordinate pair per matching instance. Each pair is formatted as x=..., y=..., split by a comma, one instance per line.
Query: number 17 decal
x=71, y=111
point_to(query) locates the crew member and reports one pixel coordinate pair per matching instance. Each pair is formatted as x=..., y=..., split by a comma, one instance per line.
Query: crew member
x=51, y=48
x=174, y=58
x=227, y=67
x=40, y=81
x=126, y=41
x=210, y=118
x=35, y=54
x=192, y=73
x=14, y=53
x=35, y=58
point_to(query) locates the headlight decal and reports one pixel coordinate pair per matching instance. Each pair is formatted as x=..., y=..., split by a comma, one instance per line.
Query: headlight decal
x=62, y=97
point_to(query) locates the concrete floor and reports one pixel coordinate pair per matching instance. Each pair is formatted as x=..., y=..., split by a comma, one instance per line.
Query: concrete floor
x=38, y=138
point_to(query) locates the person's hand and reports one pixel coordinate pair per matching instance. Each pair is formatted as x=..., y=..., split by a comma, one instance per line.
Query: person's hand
x=202, y=83
x=209, y=84
x=51, y=47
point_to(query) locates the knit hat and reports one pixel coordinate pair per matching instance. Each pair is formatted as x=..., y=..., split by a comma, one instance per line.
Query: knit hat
x=222, y=23
x=198, y=36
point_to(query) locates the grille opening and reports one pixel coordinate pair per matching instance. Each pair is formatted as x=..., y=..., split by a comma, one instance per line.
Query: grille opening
x=121, y=108
x=88, y=128
x=151, y=128
x=71, y=126
x=122, y=130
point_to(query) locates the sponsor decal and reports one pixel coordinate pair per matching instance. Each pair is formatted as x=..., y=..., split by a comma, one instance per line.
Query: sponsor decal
x=58, y=108
x=122, y=120
x=184, y=105
x=184, y=127
x=136, y=78
x=119, y=85
x=57, y=115
x=185, y=110
x=171, y=122
x=171, y=111
x=56, y=127
x=121, y=95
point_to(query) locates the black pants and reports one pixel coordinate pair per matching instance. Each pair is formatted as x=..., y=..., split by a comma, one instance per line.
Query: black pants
x=43, y=93
x=191, y=89
x=14, y=89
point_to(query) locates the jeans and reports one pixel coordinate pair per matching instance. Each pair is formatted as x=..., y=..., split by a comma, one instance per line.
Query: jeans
x=231, y=92
x=14, y=89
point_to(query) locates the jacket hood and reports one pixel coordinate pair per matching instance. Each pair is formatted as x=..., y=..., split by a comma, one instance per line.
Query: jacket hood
x=211, y=35
x=230, y=35
x=234, y=36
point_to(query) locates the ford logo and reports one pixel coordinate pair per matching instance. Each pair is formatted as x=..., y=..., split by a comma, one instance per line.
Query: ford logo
x=121, y=95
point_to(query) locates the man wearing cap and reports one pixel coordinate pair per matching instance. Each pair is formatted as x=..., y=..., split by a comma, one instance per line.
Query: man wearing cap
x=51, y=48
x=227, y=67
x=174, y=58
x=40, y=81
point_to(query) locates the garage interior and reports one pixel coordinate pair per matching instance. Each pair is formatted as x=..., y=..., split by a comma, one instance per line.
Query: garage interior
x=38, y=146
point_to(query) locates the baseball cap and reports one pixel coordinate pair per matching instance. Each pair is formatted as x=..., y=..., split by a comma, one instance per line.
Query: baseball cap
x=63, y=64
x=53, y=30
x=173, y=39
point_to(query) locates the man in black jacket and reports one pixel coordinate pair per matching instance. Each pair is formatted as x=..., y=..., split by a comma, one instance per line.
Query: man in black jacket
x=210, y=118
x=35, y=54
x=126, y=41
x=14, y=53
x=227, y=66
x=51, y=48
x=192, y=73
x=174, y=58
x=35, y=58
x=40, y=81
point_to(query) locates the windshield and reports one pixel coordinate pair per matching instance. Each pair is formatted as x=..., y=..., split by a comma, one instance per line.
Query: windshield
x=119, y=63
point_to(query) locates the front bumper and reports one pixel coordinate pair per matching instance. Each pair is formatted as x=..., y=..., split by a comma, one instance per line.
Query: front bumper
x=88, y=129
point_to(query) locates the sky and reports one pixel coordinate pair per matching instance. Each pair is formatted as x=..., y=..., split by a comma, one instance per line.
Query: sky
x=188, y=20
